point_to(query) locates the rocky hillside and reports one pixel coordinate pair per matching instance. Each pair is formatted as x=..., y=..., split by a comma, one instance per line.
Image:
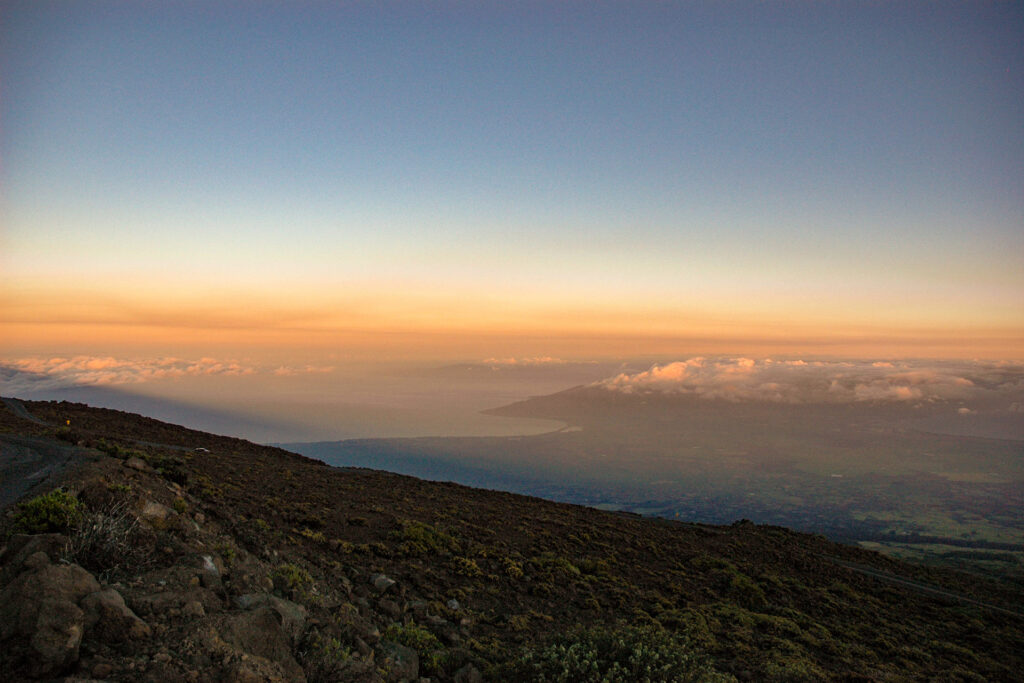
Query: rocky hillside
x=150, y=552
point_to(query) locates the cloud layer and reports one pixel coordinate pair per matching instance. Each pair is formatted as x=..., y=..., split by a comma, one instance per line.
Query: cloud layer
x=798, y=381
x=21, y=374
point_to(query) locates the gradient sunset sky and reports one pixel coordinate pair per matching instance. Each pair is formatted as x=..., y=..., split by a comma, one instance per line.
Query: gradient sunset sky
x=467, y=179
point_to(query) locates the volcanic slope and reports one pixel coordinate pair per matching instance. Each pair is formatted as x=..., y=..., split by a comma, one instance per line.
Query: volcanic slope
x=245, y=562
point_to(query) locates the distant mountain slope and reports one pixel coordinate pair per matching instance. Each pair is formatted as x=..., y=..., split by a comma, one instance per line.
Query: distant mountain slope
x=365, y=575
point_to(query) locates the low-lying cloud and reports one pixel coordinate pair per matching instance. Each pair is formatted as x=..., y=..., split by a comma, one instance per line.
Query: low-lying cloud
x=38, y=373
x=799, y=381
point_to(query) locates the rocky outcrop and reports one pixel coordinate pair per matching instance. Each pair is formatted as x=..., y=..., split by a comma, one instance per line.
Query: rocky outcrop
x=110, y=618
x=258, y=632
x=40, y=616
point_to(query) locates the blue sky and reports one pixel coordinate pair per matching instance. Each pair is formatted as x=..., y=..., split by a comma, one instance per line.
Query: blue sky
x=855, y=164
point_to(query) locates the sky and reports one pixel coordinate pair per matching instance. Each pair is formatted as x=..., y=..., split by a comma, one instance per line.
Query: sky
x=315, y=183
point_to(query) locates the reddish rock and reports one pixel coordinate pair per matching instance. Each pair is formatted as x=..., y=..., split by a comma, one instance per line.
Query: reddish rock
x=110, y=620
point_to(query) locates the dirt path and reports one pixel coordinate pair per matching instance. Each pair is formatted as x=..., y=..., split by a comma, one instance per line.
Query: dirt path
x=918, y=586
x=27, y=461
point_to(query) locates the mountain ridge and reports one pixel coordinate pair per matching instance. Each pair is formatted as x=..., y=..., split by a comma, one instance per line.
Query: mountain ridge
x=469, y=584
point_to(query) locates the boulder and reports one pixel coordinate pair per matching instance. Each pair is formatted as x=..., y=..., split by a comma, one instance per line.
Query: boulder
x=154, y=510
x=210, y=574
x=255, y=670
x=110, y=620
x=259, y=632
x=193, y=610
x=21, y=599
x=390, y=608
x=21, y=546
x=291, y=616
x=155, y=604
x=137, y=464
x=468, y=674
x=401, y=662
x=381, y=582
x=56, y=635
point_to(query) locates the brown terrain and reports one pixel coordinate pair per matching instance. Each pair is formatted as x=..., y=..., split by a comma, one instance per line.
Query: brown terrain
x=176, y=555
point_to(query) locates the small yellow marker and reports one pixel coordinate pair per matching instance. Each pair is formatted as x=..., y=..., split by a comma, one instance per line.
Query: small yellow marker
x=69, y=422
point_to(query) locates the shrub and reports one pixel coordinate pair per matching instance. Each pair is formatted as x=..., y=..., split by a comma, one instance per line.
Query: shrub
x=294, y=581
x=172, y=469
x=422, y=539
x=430, y=650
x=226, y=552
x=551, y=565
x=67, y=434
x=56, y=511
x=621, y=655
x=323, y=658
x=315, y=536
x=180, y=506
x=512, y=568
x=466, y=567
x=116, y=451
x=111, y=541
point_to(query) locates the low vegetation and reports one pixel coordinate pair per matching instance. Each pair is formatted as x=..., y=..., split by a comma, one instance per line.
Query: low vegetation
x=353, y=571
x=625, y=654
x=54, y=512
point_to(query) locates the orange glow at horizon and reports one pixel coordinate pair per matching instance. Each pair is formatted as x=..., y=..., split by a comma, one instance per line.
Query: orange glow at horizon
x=421, y=323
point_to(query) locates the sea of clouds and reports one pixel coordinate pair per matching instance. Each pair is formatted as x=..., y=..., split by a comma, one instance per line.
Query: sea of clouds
x=21, y=375
x=820, y=381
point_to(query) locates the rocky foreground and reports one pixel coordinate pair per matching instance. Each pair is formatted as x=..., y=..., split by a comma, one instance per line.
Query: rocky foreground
x=173, y=555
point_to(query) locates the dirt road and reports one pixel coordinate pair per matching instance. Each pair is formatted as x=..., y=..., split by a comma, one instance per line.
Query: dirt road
x=19, y=409
x=27, y=461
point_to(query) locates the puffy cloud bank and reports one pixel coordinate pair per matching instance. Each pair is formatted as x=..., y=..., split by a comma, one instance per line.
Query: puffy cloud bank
x=22, y=374
x=798, y=381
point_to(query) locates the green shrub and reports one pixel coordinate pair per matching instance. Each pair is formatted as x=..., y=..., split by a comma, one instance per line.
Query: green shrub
x=624, y=655
x=512, y=568
x=418, y=538
x=293, y=581
x=430, y=650
x=324, y=658
x=466, y=567
x=113, y=450
x=56, y=511
x=551, y=565
x=315, y=536
x=226, y=552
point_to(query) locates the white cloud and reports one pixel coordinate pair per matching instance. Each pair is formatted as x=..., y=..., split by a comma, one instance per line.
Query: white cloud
x=56, y=372
x=20, y=374
x=799, y=381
